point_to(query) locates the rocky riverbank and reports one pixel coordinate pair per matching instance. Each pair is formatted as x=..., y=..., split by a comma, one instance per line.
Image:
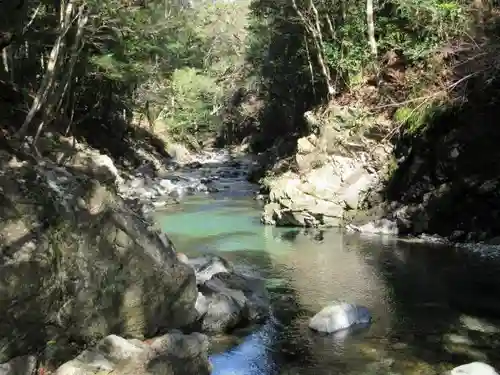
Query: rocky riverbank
x=81, y=259
x=329, y=173
x=438, y=183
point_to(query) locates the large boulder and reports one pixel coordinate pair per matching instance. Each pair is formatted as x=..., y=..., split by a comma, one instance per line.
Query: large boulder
x=78, y=264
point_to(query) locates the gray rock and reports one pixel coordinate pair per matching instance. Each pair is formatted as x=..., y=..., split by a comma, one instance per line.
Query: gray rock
x=474, y=368
x=89, y=264
x=171, y=354
x=224, y=311
x=339, y=316
x=228, y=300
x=380, y=226
x=116, y=348
x=25, y=365
x=95, y=164
x=207, y=266
x=257, y=300
x=179, y=153
x=201, y=305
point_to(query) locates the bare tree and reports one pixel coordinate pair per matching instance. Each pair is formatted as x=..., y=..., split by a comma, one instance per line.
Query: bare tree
x=58, y=69
x=371, y=27
x=314, y=30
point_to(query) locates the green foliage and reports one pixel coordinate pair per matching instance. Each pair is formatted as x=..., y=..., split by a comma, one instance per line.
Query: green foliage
x=193, y=100
x=287, y=51
x=391, y=167
x=421, y=26
x=153, y=57
x=416, y=118
x=182, y=65
x=416, y=28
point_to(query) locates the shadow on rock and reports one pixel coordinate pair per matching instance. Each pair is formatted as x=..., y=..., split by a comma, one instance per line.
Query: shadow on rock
x=77, y=264
x=227, y=299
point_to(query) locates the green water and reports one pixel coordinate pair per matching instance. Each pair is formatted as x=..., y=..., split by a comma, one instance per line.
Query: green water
x=430, y=303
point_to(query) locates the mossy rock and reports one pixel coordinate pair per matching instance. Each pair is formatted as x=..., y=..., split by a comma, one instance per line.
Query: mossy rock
x=417, y=119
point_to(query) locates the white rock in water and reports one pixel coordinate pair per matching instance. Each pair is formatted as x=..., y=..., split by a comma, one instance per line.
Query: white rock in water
x=474, y=368
x=339, y=316
x=181, y=257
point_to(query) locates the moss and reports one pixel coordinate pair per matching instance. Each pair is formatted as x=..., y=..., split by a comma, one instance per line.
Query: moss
x=416, y=119
x=391, y=168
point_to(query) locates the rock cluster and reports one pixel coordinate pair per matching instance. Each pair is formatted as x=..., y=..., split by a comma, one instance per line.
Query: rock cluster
x=171, y=354
x=331, y=175
x=227, y=299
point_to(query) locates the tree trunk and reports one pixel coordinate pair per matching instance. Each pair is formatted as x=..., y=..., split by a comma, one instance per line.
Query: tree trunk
x=315, y=32
x=50, y=74
x=371, y=27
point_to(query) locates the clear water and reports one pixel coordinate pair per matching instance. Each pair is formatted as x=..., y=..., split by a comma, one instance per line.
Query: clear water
x=434, y=307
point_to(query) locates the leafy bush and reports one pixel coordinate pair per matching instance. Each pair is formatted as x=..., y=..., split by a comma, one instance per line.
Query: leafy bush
x=193, y=103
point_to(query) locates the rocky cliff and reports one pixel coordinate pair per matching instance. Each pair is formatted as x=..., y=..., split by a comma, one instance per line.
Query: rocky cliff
x=440, y=179
x=330, y=171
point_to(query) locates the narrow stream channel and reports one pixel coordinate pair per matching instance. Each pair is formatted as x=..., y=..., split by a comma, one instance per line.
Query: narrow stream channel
x=434, y=306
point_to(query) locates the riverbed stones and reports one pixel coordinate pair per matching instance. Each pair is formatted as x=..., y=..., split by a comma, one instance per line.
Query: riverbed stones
x=339, y=316
x=227, y=299
x=170, y=354
x=474, y=368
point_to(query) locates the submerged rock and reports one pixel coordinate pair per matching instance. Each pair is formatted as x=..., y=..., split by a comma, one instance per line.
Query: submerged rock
x=338, y=317
x=474, y=368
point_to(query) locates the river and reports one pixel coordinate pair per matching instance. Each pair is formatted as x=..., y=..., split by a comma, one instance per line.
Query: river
x=434, y=306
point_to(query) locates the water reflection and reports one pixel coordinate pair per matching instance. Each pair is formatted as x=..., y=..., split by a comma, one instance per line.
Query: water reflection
x=251, y=357
x=423, y=297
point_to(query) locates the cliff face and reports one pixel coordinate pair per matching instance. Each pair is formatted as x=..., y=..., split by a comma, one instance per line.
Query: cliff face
x=446, y=181
x=76, y=263
x=440, y=180
x=330, y=171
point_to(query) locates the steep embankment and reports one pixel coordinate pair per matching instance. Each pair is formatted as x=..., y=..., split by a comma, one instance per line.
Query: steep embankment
x=440, y=179
x=447, y=177
x=330, y=170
